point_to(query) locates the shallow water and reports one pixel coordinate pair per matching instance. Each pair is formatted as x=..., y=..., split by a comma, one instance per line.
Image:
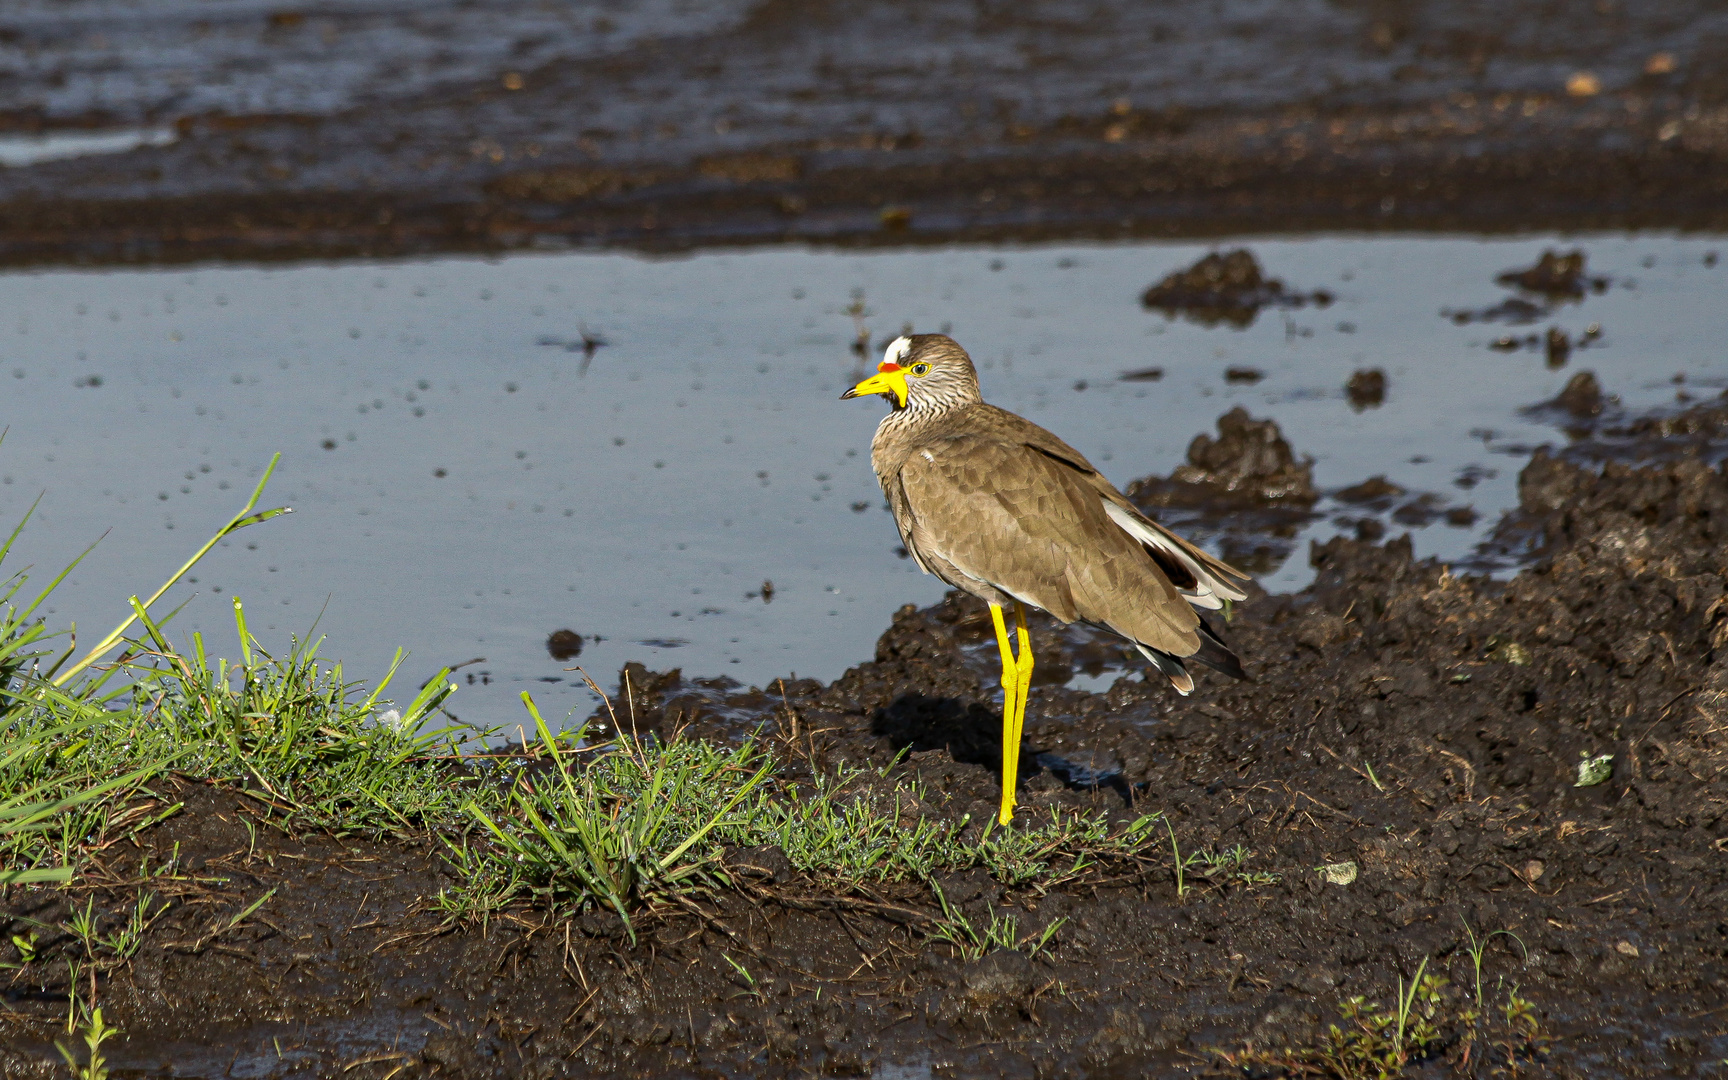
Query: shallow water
x=17, y=150
x=465, y=483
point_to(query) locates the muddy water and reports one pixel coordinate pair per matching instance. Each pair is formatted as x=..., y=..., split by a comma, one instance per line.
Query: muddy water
x=467, y=478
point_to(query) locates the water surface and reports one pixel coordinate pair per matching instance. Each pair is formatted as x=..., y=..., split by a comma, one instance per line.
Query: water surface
x=467, y=478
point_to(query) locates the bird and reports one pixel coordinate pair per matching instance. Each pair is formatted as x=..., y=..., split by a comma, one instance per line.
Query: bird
x=998, y=507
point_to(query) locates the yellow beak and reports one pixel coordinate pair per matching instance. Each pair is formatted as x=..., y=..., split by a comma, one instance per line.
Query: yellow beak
x=889, y=381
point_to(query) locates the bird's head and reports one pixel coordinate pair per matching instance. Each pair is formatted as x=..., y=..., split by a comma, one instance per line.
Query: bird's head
x=922, y=371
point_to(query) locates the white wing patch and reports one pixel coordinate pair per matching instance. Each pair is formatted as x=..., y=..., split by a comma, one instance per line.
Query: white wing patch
x=897, y=350
x=1209, y=591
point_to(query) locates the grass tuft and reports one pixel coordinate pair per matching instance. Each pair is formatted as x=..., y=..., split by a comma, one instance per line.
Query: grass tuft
x=633, y=825
x=296, y=734
x=640, y=823
x=1001, y=932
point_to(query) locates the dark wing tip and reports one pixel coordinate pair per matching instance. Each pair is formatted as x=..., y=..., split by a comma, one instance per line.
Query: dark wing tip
x=1217, y=655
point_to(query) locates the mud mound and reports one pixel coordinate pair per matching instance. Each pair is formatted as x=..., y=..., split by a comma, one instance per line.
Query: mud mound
x=1249, y=462
x=1245, y=489
x=1622, y=459
x=1228, y=288
x=1555, y=279
x=1366, y=389
x=1555, y=275
x=1602, y=430
x=1582, y=395
x=1580, y=408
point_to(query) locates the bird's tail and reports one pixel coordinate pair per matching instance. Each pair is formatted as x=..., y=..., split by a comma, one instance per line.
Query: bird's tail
x=1171, y=666
x=1212, y=652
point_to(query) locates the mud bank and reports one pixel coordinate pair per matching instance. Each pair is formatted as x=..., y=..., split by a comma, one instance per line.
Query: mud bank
x=359, y=129
x=1425, y=727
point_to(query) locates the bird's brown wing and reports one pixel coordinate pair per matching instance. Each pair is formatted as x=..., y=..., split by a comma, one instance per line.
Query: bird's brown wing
x=904, y=520
x=1205, y=579
x=1004, y=513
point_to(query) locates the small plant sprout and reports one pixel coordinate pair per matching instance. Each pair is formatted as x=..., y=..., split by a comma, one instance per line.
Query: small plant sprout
x=1176, y=853
x=247, y=912
x=1479, y=946
x=82, y=927
x=744, y=973
x=1229, y=867
x=123, y=943
x=1377, y=1043
x=26, y=946
x=1407, y=999
x=94, y=1031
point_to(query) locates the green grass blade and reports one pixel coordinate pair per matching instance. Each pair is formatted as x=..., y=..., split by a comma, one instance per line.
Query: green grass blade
x=19, y=528
x=57, y=875
x=245, y=517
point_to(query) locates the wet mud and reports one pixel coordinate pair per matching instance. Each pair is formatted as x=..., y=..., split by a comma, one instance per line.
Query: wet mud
x=1245, y=489
x=350, y=128
x=1556, y=274
x=1366, y=389
x=1400, y=777
x=1225, y=288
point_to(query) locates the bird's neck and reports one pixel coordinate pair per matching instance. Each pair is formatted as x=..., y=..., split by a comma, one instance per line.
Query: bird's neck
x=920, y=412
x=901, y=422
x=901, y=430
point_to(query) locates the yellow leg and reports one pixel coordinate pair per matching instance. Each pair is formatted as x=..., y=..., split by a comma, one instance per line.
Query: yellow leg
x=1016, y=681
x=1010, y=683
x=1023, y=666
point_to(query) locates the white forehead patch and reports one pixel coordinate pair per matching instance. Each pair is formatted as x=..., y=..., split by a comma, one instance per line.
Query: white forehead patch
x=897, y=350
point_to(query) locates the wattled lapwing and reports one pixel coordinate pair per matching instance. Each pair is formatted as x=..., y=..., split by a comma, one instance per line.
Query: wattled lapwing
x=998, y=507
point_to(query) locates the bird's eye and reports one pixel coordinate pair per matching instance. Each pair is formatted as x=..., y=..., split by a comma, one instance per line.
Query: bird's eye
x=920, y=368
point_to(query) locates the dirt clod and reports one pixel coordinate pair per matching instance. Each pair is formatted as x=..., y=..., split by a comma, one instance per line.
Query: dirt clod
x=1245, y=487
x=1248, y=461
x=1224, y=288
x=1555, y=274
x=1559, y=347
x=1366, y=389
x=1582, y=396
x=564, y=645
x=1376, y=491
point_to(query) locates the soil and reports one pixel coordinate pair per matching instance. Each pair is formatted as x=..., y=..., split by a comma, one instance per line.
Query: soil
x=1225, y=288
x=1425, y=725
x=1366, y=389
x=1245, y=488
x=358, y=128
x=1555, y=274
